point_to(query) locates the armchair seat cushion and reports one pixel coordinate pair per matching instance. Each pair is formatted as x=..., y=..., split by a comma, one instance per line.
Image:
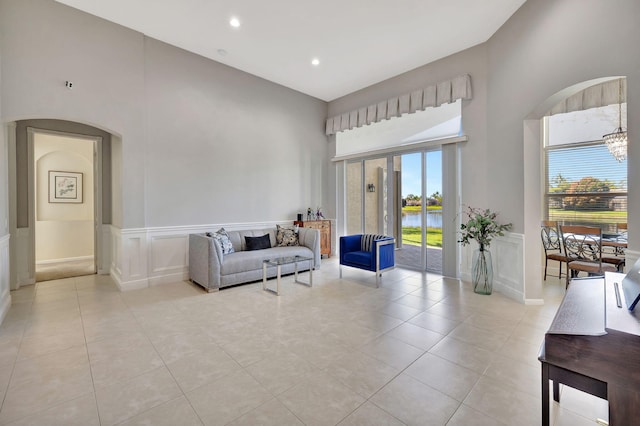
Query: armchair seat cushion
x=362, y=258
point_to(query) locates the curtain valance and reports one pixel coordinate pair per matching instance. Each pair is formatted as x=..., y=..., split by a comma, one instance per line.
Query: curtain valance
x=600, y=95
x=418, y=100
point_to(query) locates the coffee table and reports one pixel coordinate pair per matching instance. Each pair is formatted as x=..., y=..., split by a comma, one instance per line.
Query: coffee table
x=278, y=262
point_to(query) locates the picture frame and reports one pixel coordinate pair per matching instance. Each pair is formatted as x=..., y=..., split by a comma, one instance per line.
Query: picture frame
x=65, y=187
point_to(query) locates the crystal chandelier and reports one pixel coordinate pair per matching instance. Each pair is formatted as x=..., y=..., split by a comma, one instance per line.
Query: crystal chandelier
x=617, y=141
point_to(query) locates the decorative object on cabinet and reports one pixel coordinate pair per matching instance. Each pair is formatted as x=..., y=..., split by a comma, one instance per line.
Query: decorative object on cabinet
x=325, y=233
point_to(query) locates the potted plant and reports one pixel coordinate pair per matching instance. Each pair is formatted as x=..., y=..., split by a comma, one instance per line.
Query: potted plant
x=481, y=226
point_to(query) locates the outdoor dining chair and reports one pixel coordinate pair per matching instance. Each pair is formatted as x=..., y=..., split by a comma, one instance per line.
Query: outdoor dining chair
x=583, y=247
x=552, y=245
x=613, y=249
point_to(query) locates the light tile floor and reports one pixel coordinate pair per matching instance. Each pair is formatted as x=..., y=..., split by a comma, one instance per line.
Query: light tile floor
x=420, y=350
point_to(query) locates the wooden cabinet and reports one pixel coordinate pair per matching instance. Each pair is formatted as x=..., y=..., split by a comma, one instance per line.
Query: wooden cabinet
x=325, y=233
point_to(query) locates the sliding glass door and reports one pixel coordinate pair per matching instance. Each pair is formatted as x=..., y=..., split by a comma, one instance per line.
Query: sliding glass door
x=419, y=210
x=406, y=203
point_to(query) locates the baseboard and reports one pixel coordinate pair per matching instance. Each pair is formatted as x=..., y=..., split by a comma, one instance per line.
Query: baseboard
x=132, y=285
x=509, y=292
x=64, y=260
x=169, y=279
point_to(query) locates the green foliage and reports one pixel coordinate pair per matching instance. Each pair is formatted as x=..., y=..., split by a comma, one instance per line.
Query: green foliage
x=412, y=235
x=419, y=208
x=481, y=226
x=559, y=184
x=588, y=185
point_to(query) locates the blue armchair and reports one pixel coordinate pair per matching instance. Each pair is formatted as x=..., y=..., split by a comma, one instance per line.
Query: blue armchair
x=369, y=252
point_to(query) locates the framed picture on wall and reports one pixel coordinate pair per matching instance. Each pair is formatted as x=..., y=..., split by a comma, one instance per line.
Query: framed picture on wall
x=65, y=187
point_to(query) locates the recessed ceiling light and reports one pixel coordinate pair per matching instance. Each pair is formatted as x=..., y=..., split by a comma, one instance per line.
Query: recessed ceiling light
x=234, y=22
x=315, y=62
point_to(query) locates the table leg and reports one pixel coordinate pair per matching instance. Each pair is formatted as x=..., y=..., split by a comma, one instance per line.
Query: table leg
x=545, y=394
x=264, y=276
x=310, y=283
x=278, y=285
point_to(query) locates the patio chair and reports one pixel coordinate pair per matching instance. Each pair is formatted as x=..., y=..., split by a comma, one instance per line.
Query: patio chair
x=614, y=247
x=583, y=247
x=368, y=252
x=552, y=245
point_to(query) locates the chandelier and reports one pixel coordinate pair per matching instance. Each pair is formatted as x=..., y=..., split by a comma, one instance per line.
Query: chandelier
x=617, y=141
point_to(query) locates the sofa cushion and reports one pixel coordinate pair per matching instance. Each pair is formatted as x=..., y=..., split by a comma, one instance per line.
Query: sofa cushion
x=257, y=243
x=223, y=239
x=363, y=258
x=286, y=237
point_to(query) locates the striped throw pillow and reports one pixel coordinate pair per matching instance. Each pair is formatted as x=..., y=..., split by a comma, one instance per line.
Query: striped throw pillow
x=367, y=241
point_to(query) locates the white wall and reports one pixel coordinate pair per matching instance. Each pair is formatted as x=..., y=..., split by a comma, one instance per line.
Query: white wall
x=226, y=146
x=63, y=230
x=196, y=143
x=188, y=125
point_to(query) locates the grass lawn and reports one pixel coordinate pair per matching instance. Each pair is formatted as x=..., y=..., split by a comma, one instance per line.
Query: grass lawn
x=419, y=208
x=588, y=215
x=412, y=236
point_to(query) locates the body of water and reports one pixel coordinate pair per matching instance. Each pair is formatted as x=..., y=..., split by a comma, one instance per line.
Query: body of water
x=434, y=219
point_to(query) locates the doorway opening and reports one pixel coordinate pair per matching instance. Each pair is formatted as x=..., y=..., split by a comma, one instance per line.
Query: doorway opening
x=65, y=197
x=419, y=198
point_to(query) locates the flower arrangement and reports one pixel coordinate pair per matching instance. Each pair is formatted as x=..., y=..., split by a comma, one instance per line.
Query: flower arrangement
x=481, y=226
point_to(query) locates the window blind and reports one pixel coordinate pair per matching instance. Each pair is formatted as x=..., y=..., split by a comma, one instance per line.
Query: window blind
x=585, y=185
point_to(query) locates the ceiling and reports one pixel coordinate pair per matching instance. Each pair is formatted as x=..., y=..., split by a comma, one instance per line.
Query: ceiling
x=358, y=42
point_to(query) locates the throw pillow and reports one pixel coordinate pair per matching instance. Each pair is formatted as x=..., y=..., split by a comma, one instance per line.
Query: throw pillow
x=258, y=243
x=286, y=237
x=367, y=241
x=223, y=239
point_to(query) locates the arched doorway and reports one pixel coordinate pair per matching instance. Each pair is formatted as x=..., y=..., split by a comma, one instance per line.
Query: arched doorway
x=22, y=183
x=579, y=97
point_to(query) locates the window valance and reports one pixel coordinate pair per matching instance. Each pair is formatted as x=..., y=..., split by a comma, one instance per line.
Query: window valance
x=418, y=100
x=600, y=95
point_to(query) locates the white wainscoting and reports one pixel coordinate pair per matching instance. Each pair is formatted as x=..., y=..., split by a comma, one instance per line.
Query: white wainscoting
x=5, y=291
x=150, y=256
x=507, y=254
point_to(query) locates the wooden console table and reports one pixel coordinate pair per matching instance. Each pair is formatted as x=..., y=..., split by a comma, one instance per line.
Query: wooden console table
x=325, y=233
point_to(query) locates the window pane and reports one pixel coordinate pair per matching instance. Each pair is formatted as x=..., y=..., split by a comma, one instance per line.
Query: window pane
x=587, y=186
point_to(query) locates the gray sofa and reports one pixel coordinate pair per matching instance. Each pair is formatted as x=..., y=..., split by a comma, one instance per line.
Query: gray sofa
x=209, y=268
